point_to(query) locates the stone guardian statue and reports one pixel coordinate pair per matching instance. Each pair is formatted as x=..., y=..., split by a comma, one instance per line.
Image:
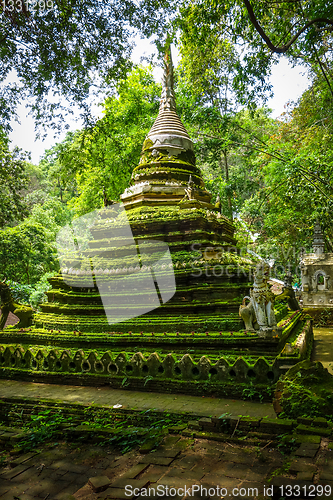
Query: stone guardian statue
x=259, y=313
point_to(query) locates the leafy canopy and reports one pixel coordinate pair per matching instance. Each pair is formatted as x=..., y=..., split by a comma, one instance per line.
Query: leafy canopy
x=66, y=47
x=296, y=171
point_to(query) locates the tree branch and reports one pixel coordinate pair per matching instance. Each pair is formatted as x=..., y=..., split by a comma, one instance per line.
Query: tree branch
x=280, y=157
x=314, y=185
x=322, y=70
x=283, y=48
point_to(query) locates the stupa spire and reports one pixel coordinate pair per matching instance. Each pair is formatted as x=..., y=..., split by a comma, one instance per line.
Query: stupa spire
x=318, y=244
x=168, y=132
x=167, y=97
x=167, y=174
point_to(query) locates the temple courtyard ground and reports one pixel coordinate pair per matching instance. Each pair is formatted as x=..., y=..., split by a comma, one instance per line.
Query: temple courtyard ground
x=181, y=468
x=186, y=463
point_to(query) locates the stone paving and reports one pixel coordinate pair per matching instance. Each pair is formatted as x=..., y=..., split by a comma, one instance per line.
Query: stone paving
x=180, y=468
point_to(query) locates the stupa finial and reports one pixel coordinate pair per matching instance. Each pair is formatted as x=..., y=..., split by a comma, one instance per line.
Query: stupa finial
x=168, y=97
x=168, y=132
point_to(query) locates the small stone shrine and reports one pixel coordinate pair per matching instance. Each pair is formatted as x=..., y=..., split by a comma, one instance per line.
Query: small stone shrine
x=317, y=274
x=111, y=320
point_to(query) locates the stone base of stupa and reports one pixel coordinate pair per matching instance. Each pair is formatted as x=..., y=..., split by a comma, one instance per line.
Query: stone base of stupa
x=150, y=299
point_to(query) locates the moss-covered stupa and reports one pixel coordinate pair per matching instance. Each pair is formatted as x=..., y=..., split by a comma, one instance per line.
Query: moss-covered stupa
x=150, y=300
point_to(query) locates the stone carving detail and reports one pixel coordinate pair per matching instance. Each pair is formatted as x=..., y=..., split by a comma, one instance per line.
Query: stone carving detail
x=189, y=190
x=246, y=312
x=7, y=305
x=314, y=284
x=262, y=298
x=261, y=307
x=137, y=366
x=318, y=239
x=326, y=284
x=167, y=97
x=304, y=275
x=320, y=281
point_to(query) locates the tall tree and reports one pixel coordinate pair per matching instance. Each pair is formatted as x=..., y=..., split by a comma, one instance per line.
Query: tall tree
x=296, y=168
x=216, y=62
x=300, y=29
x=60, y=164
x=308, y=22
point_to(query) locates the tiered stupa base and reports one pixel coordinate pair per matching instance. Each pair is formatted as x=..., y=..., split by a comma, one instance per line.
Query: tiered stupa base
x=149, y=296
x=214, y=363
x=186, y=345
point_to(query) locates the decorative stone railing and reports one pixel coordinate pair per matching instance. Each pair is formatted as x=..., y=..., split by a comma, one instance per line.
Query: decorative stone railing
x=124, y=365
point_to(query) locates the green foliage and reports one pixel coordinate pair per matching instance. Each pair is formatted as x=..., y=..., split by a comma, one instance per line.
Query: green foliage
x=322, y=317
x=251, y=392
x=38, y=295
x=224, y=44
x=132, y=437
x=307, y=391
x=124, y=382
x=30, y=294
x=13, y=179
x=59, y=165
x=125, y=433
x=26, y=250
x=93, y=166
x=296, y=181
x=277, y=175
x=25, y=253
x=52, y=214
x=227, y=141
x=43, y=426
x=285, y=446
x=229, y=157
x=212, y=64
x=20, y=293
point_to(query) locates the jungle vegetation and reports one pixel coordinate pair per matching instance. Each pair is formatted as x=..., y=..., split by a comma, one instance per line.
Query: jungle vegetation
x=274, y=176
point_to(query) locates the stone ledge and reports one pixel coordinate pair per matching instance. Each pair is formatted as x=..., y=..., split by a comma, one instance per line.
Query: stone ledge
x=316, y=431
x=256, y=429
